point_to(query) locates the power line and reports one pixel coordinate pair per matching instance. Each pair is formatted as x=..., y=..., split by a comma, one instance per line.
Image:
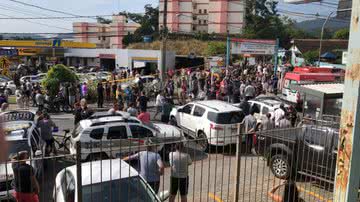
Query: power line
x=55, y=17
x=42, y=8
x=43, y=24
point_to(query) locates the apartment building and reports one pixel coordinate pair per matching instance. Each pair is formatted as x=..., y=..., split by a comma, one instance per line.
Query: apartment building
x=211, y=16
x=104, y=35
x=344, y=4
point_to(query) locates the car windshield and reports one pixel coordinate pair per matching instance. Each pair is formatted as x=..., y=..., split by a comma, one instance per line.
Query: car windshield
x=126, y=189
x=226, y=118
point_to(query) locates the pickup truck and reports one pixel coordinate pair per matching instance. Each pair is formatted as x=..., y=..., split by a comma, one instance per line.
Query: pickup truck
x=310, y=151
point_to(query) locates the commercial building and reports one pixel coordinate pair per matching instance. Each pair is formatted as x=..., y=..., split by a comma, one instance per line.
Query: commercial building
x=210, y=16
x=102, y=34
x=109, y=59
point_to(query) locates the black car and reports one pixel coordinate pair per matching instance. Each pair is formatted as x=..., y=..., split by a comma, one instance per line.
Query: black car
x=310, y=150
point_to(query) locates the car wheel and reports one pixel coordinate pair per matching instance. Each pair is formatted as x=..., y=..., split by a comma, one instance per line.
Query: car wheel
x=203, y=142
x=280, y=166
x=173, y=121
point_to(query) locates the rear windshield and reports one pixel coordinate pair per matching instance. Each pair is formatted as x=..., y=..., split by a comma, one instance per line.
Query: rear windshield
x=226, y=118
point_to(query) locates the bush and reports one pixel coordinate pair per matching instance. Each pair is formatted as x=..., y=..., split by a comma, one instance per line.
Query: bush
x=56, y=75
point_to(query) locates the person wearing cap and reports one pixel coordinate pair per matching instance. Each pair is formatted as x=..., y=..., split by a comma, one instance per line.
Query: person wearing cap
x=26, y=186
x=151, y=165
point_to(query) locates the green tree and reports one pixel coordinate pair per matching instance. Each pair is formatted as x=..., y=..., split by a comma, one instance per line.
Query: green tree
x=149, y=24
x=311, y=56
x=216, y=48
x=102, y=20
x=342, y=34
x=56, y=75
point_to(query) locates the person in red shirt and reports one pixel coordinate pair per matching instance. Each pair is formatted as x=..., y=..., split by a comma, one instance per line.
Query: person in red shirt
x=144, y=116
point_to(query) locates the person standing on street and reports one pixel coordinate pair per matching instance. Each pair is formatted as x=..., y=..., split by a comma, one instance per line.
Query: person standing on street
x=285, y=122
x=19, y=98
x=114, y=88
x=159, y=103
x=46, y=126
x=132, y=110
x=250, y=91
x=144, y=116
x=151, y=165
x=100, y=93
x=166, y=110
x=107, y=91
x=26, y=185
x=267, y=123
x=250, y=128
x=40, y=100
x=278, y=114
x=142, y=101
x=72, y=95
x=84, y=90
x=179, y=180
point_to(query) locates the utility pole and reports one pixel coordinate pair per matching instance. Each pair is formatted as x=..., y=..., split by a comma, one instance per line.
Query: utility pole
x=347, y=173
x=227, y=51
x=163, y=43
x=276, y=57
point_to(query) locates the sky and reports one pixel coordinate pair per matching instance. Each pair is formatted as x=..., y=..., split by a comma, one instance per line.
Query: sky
x=100, y=7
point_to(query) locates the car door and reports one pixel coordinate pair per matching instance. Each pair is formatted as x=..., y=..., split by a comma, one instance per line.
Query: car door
x=315, y=150
x=138, y=136
x=117, y=136
x=185, y=117
x=197, y=119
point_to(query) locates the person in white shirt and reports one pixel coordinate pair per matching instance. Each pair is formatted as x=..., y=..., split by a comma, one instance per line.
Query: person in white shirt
x=179, y=182
x=159, y=102
x=278, y=114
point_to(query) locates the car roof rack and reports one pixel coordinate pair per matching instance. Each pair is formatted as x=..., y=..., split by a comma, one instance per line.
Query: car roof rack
x=101, y=123
x=207, y=106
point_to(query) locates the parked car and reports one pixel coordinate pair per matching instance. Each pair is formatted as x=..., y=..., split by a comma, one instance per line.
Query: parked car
x=21, y=135
x=107, y=180
x=310, y=151
x=9, y=85
x=116, y=136
x=33, y=78
x=264, y=105
x=213, y=122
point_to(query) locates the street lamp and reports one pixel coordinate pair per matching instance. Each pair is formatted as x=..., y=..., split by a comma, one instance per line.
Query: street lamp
x=323, y=27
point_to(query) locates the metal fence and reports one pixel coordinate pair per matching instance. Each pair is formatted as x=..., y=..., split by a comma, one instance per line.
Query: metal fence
x=246, y=170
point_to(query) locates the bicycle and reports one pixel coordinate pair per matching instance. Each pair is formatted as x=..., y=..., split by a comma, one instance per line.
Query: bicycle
x=65, y=141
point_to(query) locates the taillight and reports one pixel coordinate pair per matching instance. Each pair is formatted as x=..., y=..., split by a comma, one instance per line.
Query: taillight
x=215, y=127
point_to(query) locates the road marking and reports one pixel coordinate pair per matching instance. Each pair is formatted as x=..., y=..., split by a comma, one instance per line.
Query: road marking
x=213, y=196
x=318, y=196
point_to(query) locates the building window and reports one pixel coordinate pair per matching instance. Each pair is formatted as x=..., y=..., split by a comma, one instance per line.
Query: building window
x=205, y=21
x=194, y=28
x=99, y=38
x=194, y=18
x=200, y=11
x=205, y=11
x=199, y=22
x=103, y=38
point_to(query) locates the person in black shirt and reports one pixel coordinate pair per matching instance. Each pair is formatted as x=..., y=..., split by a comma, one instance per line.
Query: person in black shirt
x=142, y=102
x=100, y=92
x=114, y=88
x=26, y=186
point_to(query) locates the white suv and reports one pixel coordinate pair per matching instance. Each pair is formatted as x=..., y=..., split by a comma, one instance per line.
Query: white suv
x=107, y=180
x=116, y=136
x=213, y=122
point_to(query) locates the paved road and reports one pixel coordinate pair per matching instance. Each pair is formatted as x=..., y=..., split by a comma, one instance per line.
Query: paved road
x=211, y=176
